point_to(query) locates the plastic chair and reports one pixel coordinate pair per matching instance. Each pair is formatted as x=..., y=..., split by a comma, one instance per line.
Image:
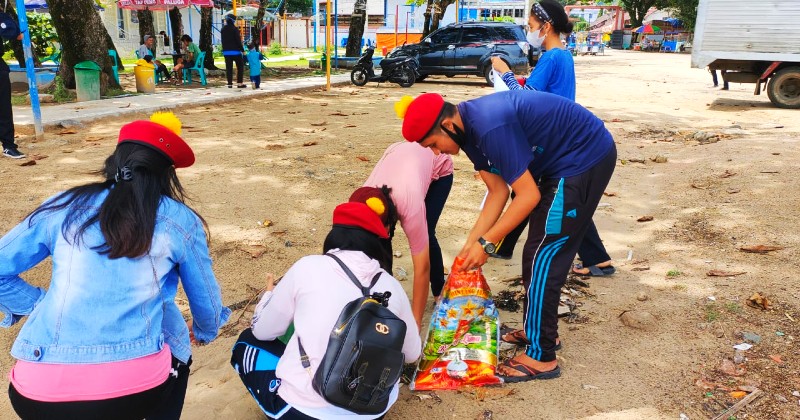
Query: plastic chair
x=113, y=55
x=198, y=67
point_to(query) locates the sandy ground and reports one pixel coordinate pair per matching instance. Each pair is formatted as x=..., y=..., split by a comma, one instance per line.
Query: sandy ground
x=709, y=199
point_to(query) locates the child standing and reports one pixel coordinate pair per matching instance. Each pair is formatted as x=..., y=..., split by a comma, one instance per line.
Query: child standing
x=254, y=61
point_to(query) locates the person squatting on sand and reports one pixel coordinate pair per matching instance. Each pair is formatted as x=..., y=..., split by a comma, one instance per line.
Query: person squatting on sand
x=558, y=158
x=311, y=296
x=106, y=339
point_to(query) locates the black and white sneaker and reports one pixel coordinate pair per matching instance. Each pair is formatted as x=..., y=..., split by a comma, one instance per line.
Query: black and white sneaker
x=13, y=153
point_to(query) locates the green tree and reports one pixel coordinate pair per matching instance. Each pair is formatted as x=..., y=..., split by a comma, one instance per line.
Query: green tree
x=638, y=9
x=686, y=11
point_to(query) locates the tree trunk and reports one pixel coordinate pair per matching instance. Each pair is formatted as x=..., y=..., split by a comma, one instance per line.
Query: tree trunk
x=146, y=26
x=176, y=23
x=255, y=30
x=16, y=46
x=110, y=46
x=83, y=37
x=205, y=38
x=357, y=22
x=440, y=8
x=426, y=27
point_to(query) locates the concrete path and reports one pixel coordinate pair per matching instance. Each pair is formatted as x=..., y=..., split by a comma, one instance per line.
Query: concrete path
x=84, y=112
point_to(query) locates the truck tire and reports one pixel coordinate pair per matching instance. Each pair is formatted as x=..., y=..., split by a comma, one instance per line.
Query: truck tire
x=784, y=88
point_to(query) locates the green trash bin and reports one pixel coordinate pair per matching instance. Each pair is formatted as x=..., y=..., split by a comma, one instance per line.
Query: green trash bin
x=87, y=81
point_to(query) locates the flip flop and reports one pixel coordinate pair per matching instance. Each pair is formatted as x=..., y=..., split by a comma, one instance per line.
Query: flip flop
x=518, y=337
x=594, y=271
x=529, y=373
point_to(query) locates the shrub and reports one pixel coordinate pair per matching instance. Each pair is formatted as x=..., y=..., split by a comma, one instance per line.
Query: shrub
x=274, y=49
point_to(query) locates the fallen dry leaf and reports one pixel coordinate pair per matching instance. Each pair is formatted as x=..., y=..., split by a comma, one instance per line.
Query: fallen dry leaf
x=68, y=131
x=659, y=159
x=309, y=143
x=294, y=112
x=279, y=232
x=319, y=124
x=737, y=394
x=645, y=268
x=721, y=273
x=350, y=126
x=38, y=157
x=645, y=219
x=609, y=194
x=28, y=163
x=776, y=358
x=760, y=249
x=727, y=367
x=339, y=114
x=727, y=174
x=733, y=190
x=266, y=223
x=362, y=158
x=285, y=131
x=126, y=106
x=255, y=251
x=759, y=301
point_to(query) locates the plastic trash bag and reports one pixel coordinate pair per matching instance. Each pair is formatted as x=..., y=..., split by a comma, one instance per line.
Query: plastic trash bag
x=462, y=344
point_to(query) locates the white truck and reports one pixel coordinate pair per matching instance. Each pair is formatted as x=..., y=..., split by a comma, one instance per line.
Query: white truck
x=752, y=41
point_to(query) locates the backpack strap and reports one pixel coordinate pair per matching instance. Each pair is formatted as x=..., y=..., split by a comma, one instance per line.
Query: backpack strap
x=364, y=290
x=304, y=360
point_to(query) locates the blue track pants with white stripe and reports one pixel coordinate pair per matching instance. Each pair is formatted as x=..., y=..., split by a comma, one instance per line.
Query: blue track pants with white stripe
x=555, y=231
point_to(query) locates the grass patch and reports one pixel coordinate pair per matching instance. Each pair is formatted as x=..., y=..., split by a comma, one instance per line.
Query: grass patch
x=18, y=100
x=711, y=312
x=287, y=63
x=674, y=273
x=61, y=93
x=733, y=307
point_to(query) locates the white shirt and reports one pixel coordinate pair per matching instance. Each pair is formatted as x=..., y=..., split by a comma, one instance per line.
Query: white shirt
x=312, y=294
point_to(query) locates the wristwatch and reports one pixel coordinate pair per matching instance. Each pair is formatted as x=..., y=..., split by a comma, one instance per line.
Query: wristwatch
x=488, y=247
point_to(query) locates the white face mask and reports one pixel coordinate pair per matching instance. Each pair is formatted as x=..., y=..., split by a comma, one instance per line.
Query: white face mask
x=534, y=39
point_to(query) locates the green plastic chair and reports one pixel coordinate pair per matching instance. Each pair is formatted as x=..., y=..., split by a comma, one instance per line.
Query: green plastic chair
x=198, y=67
x=113, y=55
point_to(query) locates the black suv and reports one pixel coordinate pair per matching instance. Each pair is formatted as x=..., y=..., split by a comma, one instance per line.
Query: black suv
x=466, y=48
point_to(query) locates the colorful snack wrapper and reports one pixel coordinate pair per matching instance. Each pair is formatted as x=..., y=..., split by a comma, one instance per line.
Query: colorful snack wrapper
x=462, y=344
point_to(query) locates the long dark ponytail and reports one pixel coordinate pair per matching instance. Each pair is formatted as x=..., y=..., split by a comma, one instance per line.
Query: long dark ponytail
x=127, y=216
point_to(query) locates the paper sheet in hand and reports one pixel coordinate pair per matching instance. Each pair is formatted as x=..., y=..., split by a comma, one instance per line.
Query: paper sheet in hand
x=499, y=84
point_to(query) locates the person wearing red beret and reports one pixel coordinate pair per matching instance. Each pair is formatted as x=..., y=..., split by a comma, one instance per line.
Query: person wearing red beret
x=311, y=296
x=558, y=158
x=410, y=184
x=106, y=339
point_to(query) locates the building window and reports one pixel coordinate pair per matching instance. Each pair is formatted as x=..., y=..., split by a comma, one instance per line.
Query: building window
x=121, y=23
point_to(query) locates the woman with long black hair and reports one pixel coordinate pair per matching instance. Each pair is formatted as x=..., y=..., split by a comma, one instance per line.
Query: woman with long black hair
x=311, y=295
x=106, y=339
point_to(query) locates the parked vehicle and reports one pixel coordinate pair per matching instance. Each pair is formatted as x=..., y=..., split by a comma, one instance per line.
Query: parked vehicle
x=465, y=48
x=400, y=70
x=752, y=42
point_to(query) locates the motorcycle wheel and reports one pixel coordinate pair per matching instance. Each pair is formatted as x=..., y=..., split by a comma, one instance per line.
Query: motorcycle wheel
x=406, y=77
x=359, y=76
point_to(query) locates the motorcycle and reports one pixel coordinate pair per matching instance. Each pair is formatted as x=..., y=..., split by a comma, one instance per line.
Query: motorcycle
x=400, y=70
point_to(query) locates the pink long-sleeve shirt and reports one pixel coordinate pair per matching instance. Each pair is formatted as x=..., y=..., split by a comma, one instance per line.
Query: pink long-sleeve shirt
x=312, y=294
x=409, y=169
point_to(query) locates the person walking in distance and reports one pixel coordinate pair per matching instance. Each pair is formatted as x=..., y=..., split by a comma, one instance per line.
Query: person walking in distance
x=8, y=30
x=232, y=49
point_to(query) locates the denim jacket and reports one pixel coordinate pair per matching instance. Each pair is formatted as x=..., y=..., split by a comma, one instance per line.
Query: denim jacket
x=99, y=310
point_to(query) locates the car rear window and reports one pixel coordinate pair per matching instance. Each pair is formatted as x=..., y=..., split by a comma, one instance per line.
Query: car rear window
x=509, y=33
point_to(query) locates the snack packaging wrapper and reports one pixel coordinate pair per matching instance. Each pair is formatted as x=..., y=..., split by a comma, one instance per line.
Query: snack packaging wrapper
x=462, y=344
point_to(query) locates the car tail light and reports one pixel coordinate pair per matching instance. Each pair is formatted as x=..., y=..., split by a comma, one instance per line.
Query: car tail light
x=524, y=46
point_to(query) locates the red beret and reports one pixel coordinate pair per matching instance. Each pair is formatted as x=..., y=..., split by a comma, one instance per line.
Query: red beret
x=374, y=199
x=421, y=115
x=360, y=216
x=158, y=137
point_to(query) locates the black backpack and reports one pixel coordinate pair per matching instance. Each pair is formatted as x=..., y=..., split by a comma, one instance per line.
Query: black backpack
x=364, y=358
